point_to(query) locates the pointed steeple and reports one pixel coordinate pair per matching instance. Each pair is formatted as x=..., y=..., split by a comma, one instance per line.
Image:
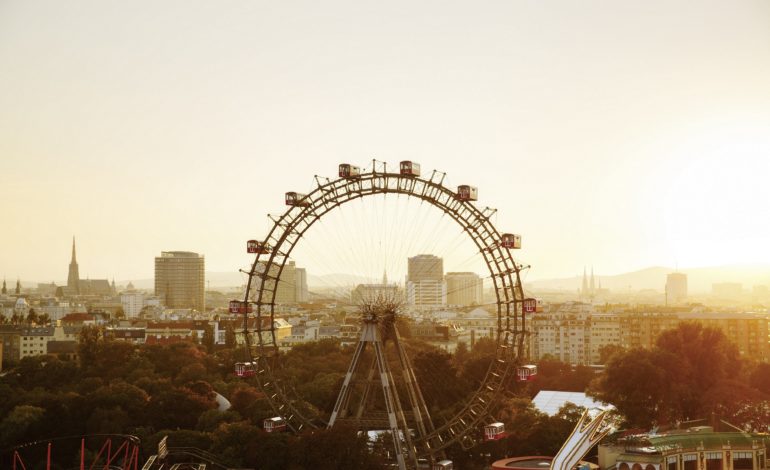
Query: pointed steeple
x=73, y=277
x=384, y=277
x=5, y=289
x=593, y=284
x=18, y=286
x=584, y=290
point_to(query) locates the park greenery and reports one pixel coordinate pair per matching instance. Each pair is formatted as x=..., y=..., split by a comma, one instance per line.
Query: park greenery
x=153, y=391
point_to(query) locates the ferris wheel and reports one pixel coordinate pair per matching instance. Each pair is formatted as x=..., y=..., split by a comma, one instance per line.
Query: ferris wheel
x=405, y=413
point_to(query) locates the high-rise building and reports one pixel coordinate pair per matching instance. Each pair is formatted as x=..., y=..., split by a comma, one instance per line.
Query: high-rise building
x=425, y=286
x=286, y=292
x=463, y=289
x=180, y=280
x=301, y=284
x=291, y=286
x=425, y=267
x=676, y=288
x=132, y=302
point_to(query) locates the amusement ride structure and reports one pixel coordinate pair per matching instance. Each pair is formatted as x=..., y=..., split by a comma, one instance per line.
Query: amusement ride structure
x=403, y=411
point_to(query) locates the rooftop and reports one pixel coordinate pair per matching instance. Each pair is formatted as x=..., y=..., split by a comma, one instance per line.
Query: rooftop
x=549, y=402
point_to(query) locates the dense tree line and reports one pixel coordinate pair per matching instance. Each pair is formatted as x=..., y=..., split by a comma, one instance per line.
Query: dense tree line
x=152, y=391
x=693, y=372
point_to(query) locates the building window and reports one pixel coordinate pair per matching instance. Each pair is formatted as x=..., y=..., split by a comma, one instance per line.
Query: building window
x=690, y=461
x=713, y=461
x=743, y=461
x=671, y=463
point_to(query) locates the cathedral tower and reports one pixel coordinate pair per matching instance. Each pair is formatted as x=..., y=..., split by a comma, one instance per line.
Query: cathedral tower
x=73, y=278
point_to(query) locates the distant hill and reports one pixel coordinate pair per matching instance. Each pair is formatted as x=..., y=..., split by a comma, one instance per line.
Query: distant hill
x=699, y=280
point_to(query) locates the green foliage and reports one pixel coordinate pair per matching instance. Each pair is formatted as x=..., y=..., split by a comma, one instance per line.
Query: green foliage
x=210, y=420
x=208, y=339
x=692, y=373
x=332, y=449
x=229, y=336
x=20, y=424
x=90, y=343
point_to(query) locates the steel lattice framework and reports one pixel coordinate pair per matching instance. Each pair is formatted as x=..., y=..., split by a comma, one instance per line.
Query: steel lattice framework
x=286, y=233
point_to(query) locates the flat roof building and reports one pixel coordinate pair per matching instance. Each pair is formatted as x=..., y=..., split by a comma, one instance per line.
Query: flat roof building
x=180, y=280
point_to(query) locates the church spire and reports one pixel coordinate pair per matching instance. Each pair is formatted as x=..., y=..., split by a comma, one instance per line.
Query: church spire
x=73, y=277
x=18, y=286
x=593, y=284
x=384, y=277
x=584, y=290
x=5, y=289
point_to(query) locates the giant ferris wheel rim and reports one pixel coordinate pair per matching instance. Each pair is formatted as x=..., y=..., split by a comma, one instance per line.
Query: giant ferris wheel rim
x=287, y=231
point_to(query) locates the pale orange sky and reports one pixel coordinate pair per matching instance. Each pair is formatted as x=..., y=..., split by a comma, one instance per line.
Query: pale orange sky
x=618, y=134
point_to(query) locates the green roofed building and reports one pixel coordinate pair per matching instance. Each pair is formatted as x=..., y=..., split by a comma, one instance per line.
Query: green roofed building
x=693, y=448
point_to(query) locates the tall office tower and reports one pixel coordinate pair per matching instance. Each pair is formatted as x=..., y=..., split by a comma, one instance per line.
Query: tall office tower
x=180, y=280
x=463, y=289
x=291, y=286
x=425, y=286
x=301, y=284
x=676, y=287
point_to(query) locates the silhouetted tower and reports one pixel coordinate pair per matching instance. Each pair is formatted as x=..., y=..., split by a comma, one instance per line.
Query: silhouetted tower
x=359, y=406
x=593, y=285
x=584, y=290
x=5, y=289
x=73, y=278
x=18, y=286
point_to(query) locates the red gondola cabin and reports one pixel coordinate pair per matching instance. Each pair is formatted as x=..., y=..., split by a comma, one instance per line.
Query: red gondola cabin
x=274, y=424
x=296, y=199
x=237, y=306
x=245, y=369
x=467, y=193
x=494, y=432
x=511, y=240
x=526, y=373
x=349, y=171
x=408, y=168
x=530, y=305
x=254, y=246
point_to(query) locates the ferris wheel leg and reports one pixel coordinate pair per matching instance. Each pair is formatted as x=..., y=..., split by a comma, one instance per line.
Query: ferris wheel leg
x=393, y=406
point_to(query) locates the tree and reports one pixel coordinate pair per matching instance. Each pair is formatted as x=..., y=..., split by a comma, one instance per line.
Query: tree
x=229, y=336
x=607, y=351
x=208, y=340
x=332, y=449
x=693, y=371
x=760, y=378
x=44, y=319
x=19, y=424
x=90, y=343
x=32, y=316
x=178, y=407
x=634, y=382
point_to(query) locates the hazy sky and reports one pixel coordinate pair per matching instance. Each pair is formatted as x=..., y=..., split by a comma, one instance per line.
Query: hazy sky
x=619, y=134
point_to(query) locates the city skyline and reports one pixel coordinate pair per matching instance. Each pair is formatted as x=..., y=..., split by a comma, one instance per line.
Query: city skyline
x=626, y=153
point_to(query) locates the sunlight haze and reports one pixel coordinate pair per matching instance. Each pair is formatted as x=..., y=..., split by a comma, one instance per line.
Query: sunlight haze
x=612, y=134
